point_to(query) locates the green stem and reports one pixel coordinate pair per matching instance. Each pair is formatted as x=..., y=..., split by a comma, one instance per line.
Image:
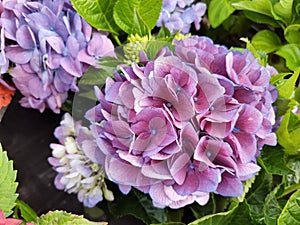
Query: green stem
x=214, y=204
x=117, y=40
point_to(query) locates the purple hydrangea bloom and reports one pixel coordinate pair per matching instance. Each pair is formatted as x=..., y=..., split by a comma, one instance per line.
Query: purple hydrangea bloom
x=51, y=47
x=180, y=14
x=4, y=63
x=185, y=124
x=75, y=159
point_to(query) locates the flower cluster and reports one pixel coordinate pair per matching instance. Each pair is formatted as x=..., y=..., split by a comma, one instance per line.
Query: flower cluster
x=186, y=124
x=51, y=47
x=75, y=160
x=178, y=15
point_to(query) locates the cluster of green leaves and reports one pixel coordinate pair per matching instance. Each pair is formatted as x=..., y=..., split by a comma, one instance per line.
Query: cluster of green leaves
x=131, y=16
x=8, y=184
x=281, y=20
x=64, y=218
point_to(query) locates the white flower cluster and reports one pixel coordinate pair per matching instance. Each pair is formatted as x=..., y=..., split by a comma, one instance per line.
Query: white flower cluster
x=75, y=161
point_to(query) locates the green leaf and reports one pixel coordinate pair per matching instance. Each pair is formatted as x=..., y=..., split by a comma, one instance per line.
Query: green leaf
x=292, y=180
x=290, y=213
x=288, y=133
x=258, y=6
x=272, y=159
x=266, y=41
x=137, y=204
x=290, y=53
x=85, y=98
x=287, y=86
x=283, y=10
x=137, y=16
x=8, y=184
x=297, y=94
x=261, y=19
x=276, y=79
x=292, y=34
x=259, y=11
x=27, y=213
x=98, y=13
x=109, y=64
x=95, y=76
x=272, y=208
x=236, y=216
x=64, y=218
x=219, y=11
x=164, y=34
x=153, y=47
x=261, y=55
x=237, y=24
x=256, y=196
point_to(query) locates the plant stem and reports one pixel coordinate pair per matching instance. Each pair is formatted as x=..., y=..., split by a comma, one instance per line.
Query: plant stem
x=117, y=40
x=214, y=204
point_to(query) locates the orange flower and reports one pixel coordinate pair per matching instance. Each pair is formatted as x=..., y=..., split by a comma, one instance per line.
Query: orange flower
x=5, y=96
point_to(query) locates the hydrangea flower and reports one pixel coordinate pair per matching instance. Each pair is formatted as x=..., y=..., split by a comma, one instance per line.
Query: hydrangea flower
x=51, y=47
x=178, y=15
x=4, y=63
x=185, y=124
x=76, y=160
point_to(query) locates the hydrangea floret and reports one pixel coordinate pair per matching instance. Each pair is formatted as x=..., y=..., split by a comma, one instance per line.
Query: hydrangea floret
x=185, y=124
x=51, y=46
x=178, y=15
x=75, y=160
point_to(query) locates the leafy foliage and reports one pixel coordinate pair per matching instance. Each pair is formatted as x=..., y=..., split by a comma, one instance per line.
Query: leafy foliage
x=137, y=16
x=218, y=11
x=273, y=160
x=140, y=206
x=26, y=212
x=288, y=133
x=290, y=53
x=266, y=40
x=8, y=184
x=98, y=13
x=272, y=209
x=255, y=197
x=64, y=218
x=290, y=213
x=133, y=17
x=239, y=214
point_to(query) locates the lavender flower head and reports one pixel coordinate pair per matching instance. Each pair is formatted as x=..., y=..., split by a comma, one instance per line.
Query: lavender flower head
x=51, y=47
x=75, y=160
x=185, y=124
x=178, y=15
x=4, y=62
